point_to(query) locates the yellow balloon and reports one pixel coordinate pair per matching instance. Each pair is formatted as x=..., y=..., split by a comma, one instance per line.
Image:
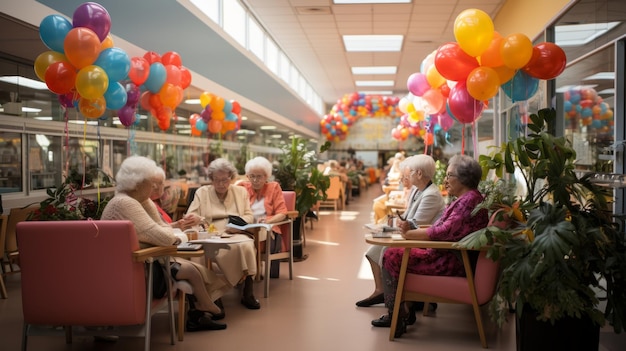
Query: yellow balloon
x=107, y=43
x=92, y=82
x=434, y=78
x=205, y=99
x=473, y=30
x=44, y=60
x=516, y=50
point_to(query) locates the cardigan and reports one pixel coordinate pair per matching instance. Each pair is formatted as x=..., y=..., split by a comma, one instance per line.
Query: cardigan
x=274, y=201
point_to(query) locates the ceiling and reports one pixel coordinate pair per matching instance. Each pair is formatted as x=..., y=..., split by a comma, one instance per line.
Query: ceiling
x=308, y=31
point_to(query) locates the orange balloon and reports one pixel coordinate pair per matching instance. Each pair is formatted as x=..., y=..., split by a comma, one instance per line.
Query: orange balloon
x=505, y=74
x=434, y=78
x=92, y=108
x=492, y=57
x=107, y=43
x=214, y=126
x=170, y=95
x=435, y=102
x=483, y=83
x=516, y=50
x=81, y=46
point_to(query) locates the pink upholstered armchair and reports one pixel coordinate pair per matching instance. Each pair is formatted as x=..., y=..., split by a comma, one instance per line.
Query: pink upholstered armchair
x=88, y=273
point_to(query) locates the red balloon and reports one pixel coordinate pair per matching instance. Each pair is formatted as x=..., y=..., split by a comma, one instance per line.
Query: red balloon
x=462, y=105
x=185, y=77
x=152, y=57
x=453, y=63
x=139, y=70
x=171, y=58
x=172, y=75
x=236, y=107
x=547, y=62
x=60, y=77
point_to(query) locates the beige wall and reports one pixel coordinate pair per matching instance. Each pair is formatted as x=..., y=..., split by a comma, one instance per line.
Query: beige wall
x=529, y=17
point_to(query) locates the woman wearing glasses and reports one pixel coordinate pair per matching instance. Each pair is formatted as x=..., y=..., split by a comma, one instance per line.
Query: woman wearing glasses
x=424, y=205
x=461, y=181
x=267, y=203
x=212, y=204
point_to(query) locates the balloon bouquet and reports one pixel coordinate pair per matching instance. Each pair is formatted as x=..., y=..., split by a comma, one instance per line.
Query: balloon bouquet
x=218, y=116
x=335, y=125
x=585, y=107
x=86, y=71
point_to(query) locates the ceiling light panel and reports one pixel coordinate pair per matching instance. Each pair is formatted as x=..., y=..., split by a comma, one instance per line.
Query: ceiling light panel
x=375, y=70
x=372, y=43
x=338, y=2
x=374, y=83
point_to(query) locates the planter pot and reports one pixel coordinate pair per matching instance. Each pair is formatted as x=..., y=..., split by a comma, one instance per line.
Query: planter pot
x=575, y=334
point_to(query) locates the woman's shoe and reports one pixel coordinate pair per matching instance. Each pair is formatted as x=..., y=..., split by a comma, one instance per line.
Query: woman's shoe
x=400, y=328
x=373, y=300
x=250, y=302
x=196, y=321
x=383, y=322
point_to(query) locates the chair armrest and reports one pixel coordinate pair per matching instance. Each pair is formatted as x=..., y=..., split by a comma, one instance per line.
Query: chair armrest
x=143, y=255
x=292, y=214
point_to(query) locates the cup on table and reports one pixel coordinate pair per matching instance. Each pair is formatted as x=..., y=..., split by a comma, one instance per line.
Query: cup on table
x=192, y=235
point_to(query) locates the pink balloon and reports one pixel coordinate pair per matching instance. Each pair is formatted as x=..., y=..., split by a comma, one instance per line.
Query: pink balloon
x=445, y=121
x=462, y=105
x=417, y=84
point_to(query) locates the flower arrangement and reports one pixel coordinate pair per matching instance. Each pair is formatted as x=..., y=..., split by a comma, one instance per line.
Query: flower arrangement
x=64, y=204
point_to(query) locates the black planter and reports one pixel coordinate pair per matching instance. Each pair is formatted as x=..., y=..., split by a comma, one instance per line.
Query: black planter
x=572, y=334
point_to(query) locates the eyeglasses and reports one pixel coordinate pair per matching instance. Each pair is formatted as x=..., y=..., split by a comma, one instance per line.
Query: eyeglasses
x=255, y=177
x=451, y=175
x=221, y=181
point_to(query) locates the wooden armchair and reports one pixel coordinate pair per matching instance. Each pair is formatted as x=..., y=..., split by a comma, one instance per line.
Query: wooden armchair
x=89, y=274
x=476, y=288
x=334, y=194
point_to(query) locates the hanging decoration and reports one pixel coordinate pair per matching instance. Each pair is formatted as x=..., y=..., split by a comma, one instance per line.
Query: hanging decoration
x=218, y=116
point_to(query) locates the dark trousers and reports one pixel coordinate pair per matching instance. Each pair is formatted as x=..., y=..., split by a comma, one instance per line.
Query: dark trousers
x=275, y=245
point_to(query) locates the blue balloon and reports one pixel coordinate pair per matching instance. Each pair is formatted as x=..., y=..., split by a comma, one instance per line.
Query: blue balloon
x=231, y=117
x=201, y=125
x=115, y=62
x=115, y=96
x=228, y=106
x=567, y=106
x=521, y=87
x=52, y=31
x=157, y=77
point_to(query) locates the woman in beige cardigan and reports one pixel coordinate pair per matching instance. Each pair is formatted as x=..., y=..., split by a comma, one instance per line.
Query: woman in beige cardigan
x=212, y=204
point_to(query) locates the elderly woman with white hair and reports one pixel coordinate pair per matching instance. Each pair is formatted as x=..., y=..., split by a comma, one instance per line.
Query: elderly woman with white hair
x=136, y=179
x=213, y=204
x=267, y=202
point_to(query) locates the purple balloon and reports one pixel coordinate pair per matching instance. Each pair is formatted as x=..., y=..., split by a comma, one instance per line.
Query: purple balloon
x=126, y=115
x=66, y=100
x=445, y=121
x=462, y=105
x=206, y=113
x=417, y=84
x=133, y=94
x=93, y=16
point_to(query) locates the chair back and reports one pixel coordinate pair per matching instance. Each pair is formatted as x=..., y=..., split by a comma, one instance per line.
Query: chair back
x=81, y=273
x=285, y=229
x=334, y=190
x=16, y=215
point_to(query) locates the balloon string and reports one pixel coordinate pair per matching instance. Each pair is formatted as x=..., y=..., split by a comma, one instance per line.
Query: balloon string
x=66, y=145
x=463, y=140
x=84, y=154
x=475, y=139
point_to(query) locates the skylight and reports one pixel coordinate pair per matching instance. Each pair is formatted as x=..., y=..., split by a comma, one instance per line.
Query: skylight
x=366, y=43
x=375, y=70
x=581, y=34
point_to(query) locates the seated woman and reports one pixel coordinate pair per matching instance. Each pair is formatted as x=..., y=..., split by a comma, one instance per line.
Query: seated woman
x=267, y=203
x=212, y=204
x=461, y=181
x=424, y=205
x=379, y=207
x=135, y=181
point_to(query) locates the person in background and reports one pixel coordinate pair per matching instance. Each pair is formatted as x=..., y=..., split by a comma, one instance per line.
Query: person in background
x=423, y=206
x=211, y=205
x=267, y=203
x=137, y=178
x=334, y=169
x=380, y=209
x=462, y=177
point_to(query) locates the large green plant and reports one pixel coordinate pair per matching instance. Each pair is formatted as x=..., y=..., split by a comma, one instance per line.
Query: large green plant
x=559, y=250
x=297, y=170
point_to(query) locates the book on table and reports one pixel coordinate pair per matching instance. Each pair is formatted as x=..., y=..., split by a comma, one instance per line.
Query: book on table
x=246, y=227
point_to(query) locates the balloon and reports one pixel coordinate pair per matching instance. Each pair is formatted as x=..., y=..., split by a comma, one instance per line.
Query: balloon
x=52, y=30
x=155, y=102
x=156, y=78
x=215, y=126
x=547, y=62
x=504, y=73
x=171, y=58
x=133, y=94
x=115, y=96
x=522, y=87
x=66, y=100
x=428, y=61
x=91, y=82
x=453, y=63
x=107, y=43
x=144, y=101
x=492, y=57
x=445, y=121
x=115, y=63
x=473, y=30
x=206, y=113
x=201, y=125
x=217, y=103
x=434, y=101
x=228, y=107
x=483, y=83
x=231, y=117
x=152, y=57
x=94, y=17
x=172, y=75
x=403, y=104
x=185, y=77
x=218, y=115
x=163, y=113
x=139, y=70
x=44, y=60
x=170, y=95
x=462, y=105
x=92, y=108
x=417, y=84
x=434, y=78
x=516, y=50
x=61, y=77
x=236, y=107
x=205, y=99
x=81, y=46
x=126, y=114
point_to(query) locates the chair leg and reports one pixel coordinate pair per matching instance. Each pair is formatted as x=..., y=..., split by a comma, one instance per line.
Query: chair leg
x=181, y=315
x=3, y=288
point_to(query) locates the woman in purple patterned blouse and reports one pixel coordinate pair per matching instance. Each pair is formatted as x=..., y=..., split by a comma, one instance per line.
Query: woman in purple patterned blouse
x=461, y=181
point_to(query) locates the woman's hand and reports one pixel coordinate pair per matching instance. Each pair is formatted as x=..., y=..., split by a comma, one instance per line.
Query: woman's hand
x=403, y=225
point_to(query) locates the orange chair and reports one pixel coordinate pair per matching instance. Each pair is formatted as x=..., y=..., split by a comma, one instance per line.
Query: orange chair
x=10, y=251
x=476, y=288
x=89, y=274
x=334, y=194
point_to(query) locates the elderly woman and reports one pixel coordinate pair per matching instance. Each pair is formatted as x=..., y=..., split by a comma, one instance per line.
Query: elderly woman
x=461, y=181
x=267, y=203
x=424, y=205
x=212, y=204
x=136, y=179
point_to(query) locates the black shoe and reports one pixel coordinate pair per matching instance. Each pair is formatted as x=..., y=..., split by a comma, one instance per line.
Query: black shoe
x=400, y=328
x=250, y=302
x=219, y=316
x=312, y=214
x=383, y=322
x=196, y=321
x=380, y=298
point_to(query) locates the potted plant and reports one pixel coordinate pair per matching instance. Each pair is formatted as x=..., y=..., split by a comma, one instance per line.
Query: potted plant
x=560, y=253
x=296, y=170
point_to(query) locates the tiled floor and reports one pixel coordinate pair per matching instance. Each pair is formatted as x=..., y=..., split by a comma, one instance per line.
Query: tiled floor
x=315, y=311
